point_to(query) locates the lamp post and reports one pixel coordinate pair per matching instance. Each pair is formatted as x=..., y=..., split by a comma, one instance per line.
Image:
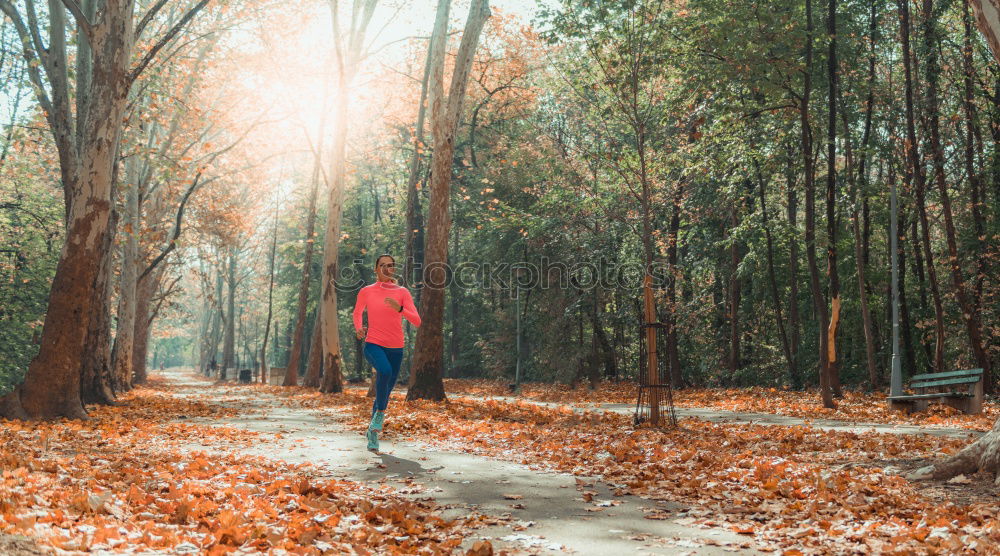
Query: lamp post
x=517, y=368
x=517, y=320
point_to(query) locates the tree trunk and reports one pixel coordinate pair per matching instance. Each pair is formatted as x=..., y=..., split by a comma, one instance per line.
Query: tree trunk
x=793, y=287
x=96, y=371
x=819, y=304
x=973, y=137
x=983, y=455
x=858, y=178
x=833, y=365
x=906, y=326
x=217, y=322
x=265, y=369
x=733, y=294
x=414, y=215
x=349, y=53
x=673, y=236
x=51, y=387
x=426, y=372
x=87, y=149
x=145, y=290
x=333, y=376
x=453, y=339
x=315, y=363
x=771, y=274
x=294, y=357
x=229, y=336
x=124, y=339
x=988, y=20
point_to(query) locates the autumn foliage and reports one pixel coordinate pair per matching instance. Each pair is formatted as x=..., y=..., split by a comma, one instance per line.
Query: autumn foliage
x=788, y=488
x=129, y=479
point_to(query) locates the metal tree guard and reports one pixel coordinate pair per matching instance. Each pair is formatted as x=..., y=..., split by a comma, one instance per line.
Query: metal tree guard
x=645, y=400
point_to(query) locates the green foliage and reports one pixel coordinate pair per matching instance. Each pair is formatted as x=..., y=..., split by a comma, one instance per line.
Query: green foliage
x=30, y=238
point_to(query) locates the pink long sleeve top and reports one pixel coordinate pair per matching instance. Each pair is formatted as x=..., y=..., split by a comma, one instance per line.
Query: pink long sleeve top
x=385, y=324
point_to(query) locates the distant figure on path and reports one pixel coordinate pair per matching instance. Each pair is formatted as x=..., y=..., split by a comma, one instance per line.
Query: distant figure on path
x=386, y=303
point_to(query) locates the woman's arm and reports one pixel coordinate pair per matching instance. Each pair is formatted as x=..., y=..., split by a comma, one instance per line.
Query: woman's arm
x=359, y=307
x=409, y=310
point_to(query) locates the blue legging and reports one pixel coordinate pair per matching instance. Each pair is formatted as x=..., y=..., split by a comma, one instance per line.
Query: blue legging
x=386, y=361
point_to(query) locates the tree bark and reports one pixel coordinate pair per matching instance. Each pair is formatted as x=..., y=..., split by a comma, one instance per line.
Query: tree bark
x=983, y=455
x=229, y=335
x=124, y=339
x=144, y=315
x=414, y=214
x=973, y=137
x=333, y=375
x=96, y=385
x=833, y=364
x=217, y=321
x=858, y=177
x=265, y=370
x=87, y=146
x=819, y=303
x=906, y=326
x=426, y=372
x=314, y=365
x=349, y=53
x=793, y=286
x=988, y=20
x=295, y=355
x=733, y=295
x=771, y=274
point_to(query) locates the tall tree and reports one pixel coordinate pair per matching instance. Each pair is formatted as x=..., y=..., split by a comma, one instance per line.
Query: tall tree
x=819, y=303
x=426, y=373
x=265, y=369
x=349, y=45
x=832, y=365
x=87, y=144
x=915, y=174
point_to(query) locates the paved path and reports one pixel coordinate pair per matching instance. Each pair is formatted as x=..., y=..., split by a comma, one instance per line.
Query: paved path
x=551, y=518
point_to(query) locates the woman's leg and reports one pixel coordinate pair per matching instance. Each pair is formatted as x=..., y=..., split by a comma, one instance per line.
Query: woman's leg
x=376, y=355
x=395, y=358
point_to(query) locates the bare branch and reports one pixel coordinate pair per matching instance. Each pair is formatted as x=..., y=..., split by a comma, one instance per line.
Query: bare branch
x=166, y=38
x=172, y=244
x=81, y=19
x=148, y=17
x=30, y=52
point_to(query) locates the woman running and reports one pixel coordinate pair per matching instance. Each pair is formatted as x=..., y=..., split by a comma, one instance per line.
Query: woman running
x=386, y=303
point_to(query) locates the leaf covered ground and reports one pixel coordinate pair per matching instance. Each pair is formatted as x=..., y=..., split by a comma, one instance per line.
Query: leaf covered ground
x=123, y=481
x=793, y=489
x=127, y=481
x=855, y=406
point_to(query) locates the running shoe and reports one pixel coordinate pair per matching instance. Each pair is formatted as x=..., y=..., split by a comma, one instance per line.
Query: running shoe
x=373, y=440
x=377, y=420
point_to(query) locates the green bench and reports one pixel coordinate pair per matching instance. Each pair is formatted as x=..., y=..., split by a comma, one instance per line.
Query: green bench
x=962, y=390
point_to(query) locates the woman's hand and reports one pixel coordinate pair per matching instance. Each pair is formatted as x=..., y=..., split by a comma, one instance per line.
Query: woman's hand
x=360, y=334
x=392, y=303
